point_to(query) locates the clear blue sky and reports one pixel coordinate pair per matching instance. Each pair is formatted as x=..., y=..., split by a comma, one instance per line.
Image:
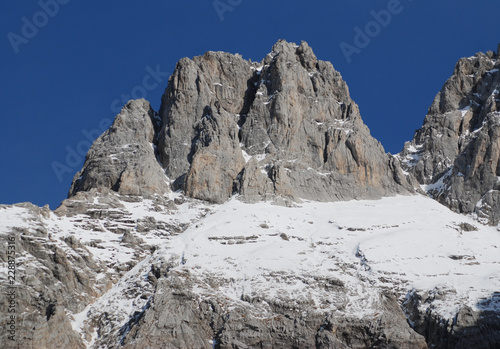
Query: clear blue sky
x=73, y=63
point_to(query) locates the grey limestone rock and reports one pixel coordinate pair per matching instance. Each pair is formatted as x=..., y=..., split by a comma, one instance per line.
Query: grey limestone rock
x=217, y=159
x=291, y=112
x=123, y=158
x=54, y=276
x=59, y=272
x=468, y=329
x=254, y=183
x=204, y=94
x=178, y=318
x=456, y=152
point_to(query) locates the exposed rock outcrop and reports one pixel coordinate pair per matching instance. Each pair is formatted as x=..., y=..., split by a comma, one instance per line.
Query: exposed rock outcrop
x=455, y=154
x=94, y=251
x=54, y=277
x=123, y=158
x=292, y=113
x=177, y=318
x=67, y=259
x=467, y=329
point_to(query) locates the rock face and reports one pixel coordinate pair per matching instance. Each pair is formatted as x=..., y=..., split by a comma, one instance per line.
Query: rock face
x=455, y=154
x=285, y=127
x=468, y=329
x=112, y=271
x=66, y=260
x=85, y=268
x=58, y=276
x=290, y=113
x=123, y=158
x=177, y=319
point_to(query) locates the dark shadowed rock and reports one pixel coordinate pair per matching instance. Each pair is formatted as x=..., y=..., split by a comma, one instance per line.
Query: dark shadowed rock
x=468, y=329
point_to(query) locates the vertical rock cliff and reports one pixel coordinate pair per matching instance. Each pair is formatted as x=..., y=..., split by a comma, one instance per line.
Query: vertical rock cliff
x=455, y=155
x=285, y=127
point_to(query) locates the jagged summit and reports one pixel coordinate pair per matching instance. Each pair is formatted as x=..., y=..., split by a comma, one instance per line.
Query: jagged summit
x=283, y=127
x=455, y=155
x=123, y=158
x=127, y=262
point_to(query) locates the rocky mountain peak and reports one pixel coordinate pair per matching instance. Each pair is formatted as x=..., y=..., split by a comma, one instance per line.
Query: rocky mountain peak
x=455, y=154
x=291, y=114
x=123, y=158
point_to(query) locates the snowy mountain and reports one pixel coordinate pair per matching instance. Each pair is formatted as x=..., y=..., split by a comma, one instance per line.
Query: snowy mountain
x=253, y=210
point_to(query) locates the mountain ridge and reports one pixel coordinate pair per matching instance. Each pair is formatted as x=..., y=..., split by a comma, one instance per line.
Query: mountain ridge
x=254, y=209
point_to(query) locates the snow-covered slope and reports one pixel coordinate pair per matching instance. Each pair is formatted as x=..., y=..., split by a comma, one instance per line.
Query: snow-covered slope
x=334, y=259
x=400, y=243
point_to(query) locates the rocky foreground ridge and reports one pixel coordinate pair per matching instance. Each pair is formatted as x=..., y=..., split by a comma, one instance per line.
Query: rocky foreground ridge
x=217, y=221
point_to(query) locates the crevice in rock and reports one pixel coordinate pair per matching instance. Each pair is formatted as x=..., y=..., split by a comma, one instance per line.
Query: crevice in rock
x=344, y=111
x=249, y=98
x=157, y=126
x=237, y=183
x=325, y=150
x=50, y=311
x=178, y=183
x=134, y=320
x=116, y=186
x=199, y=128
x=352, y=149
